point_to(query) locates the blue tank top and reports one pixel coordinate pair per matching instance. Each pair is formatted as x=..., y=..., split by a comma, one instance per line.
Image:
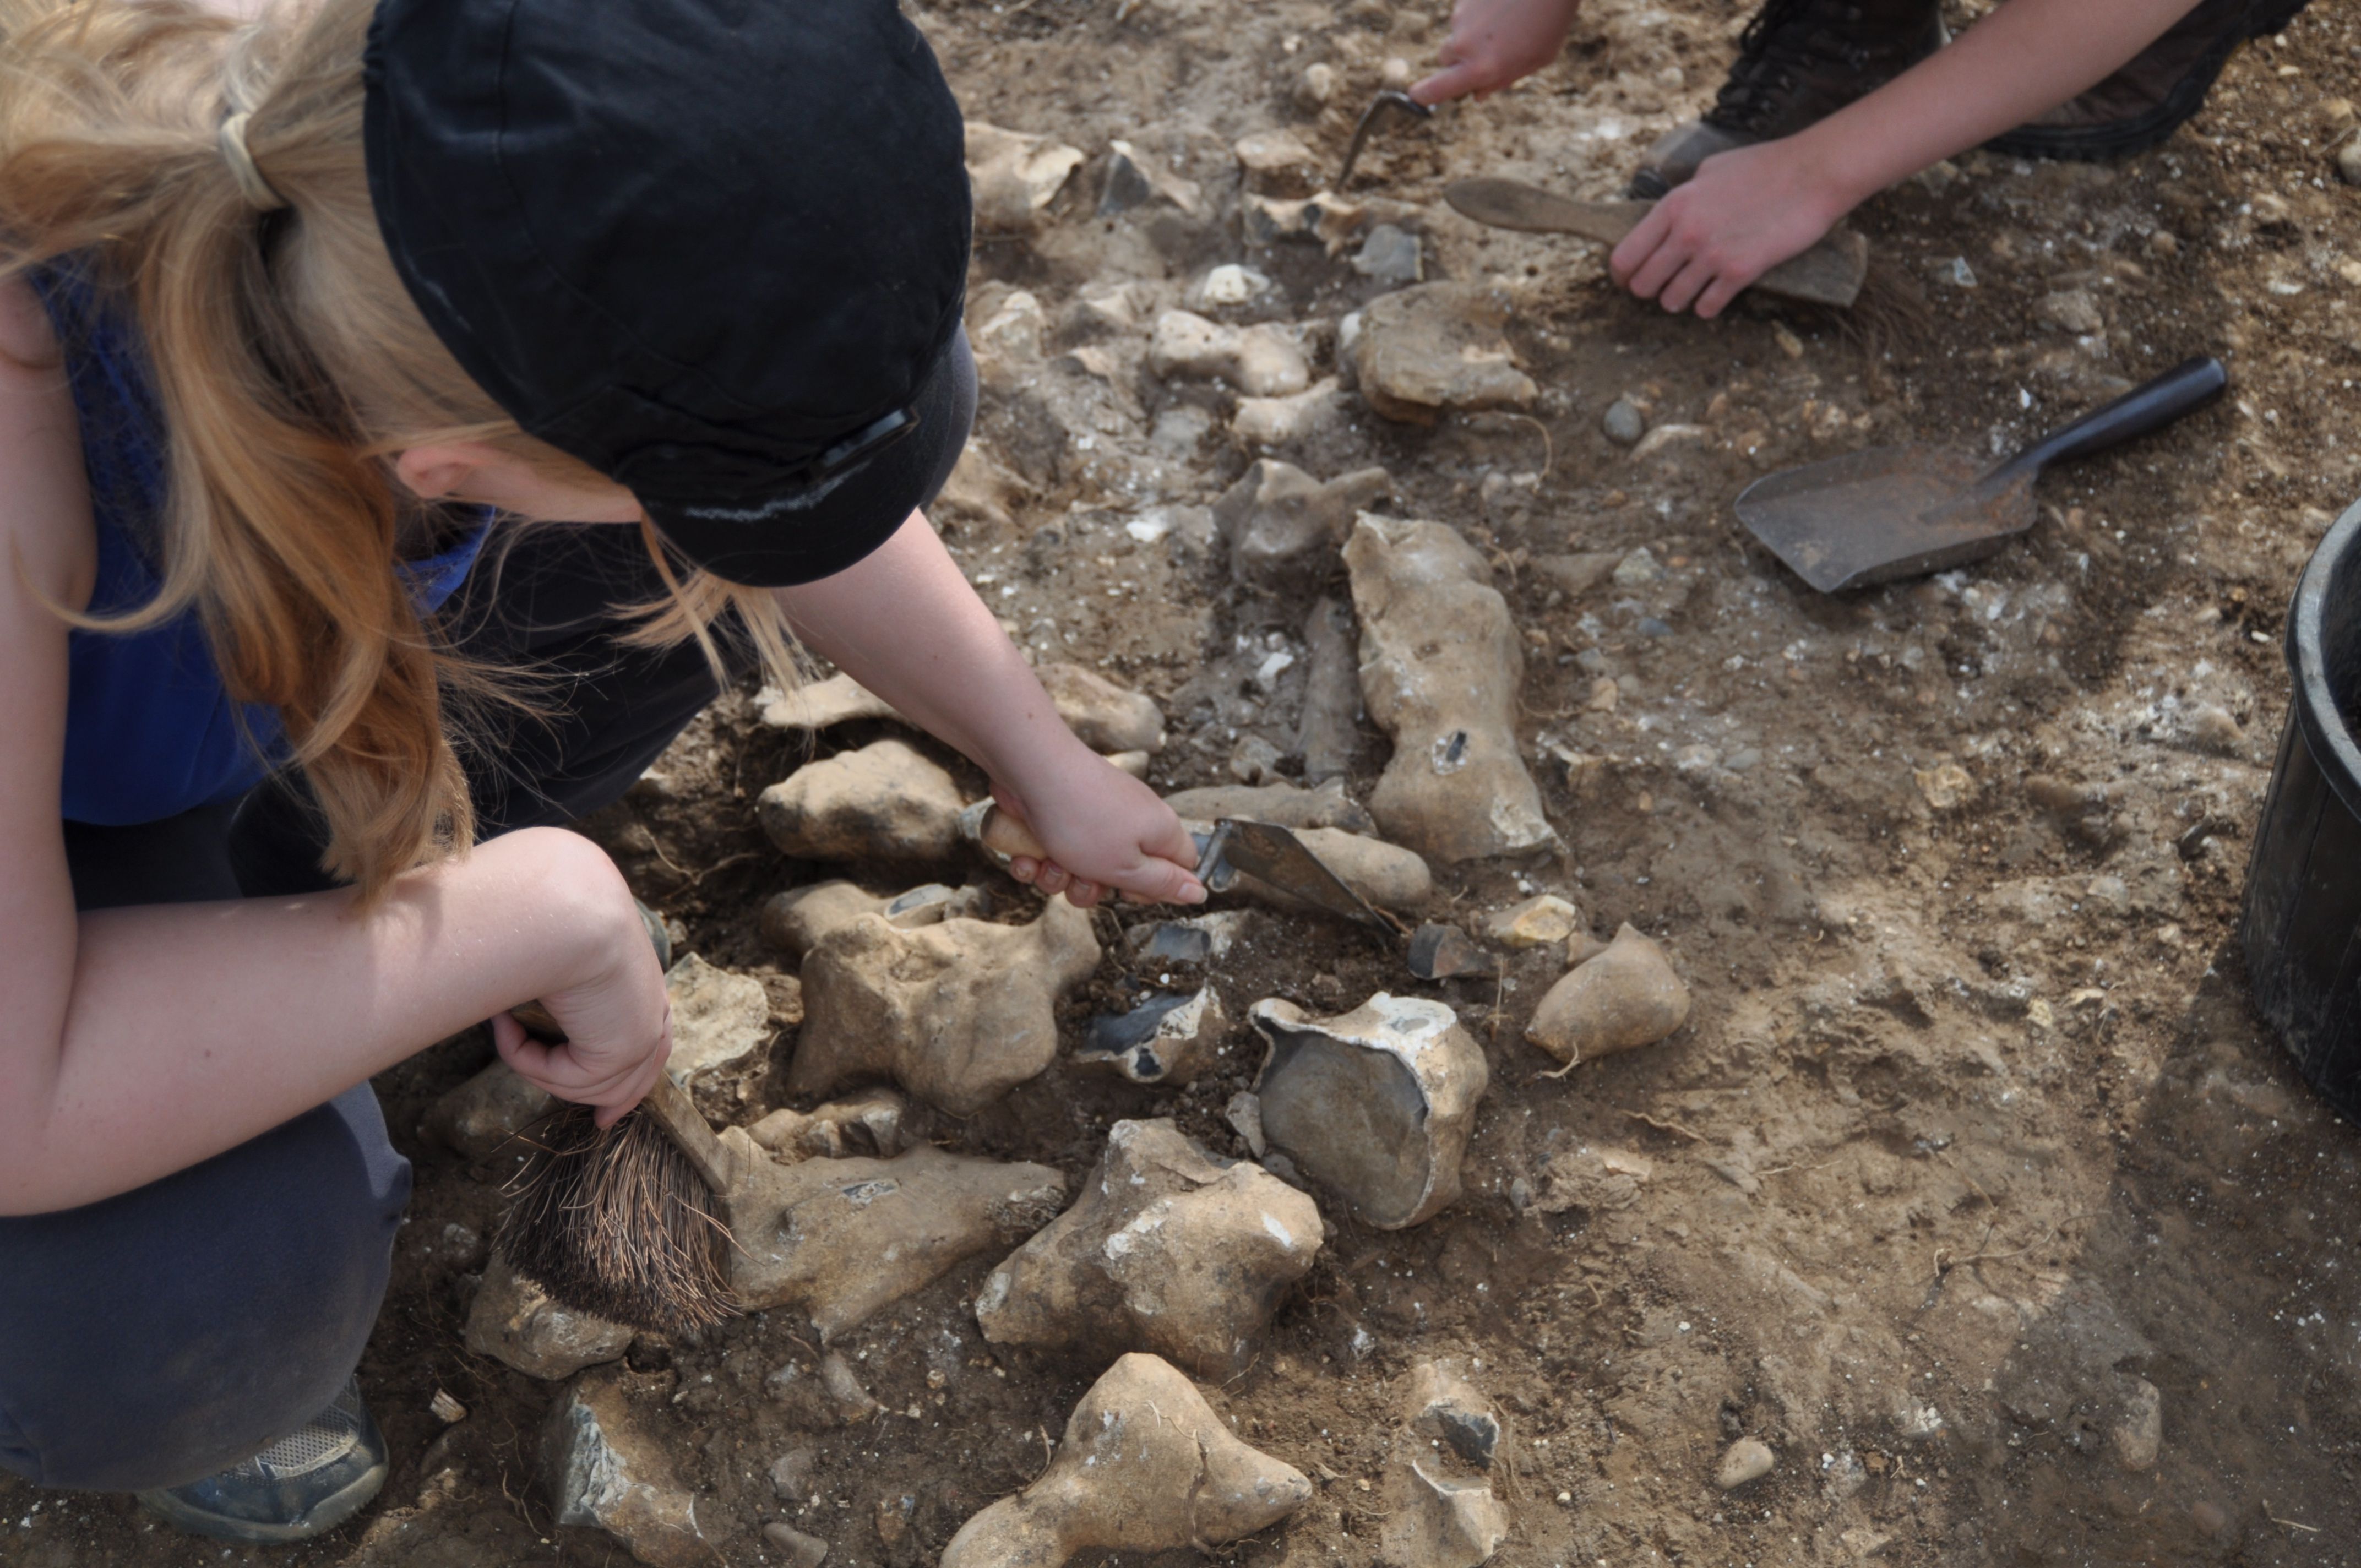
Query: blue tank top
x=150, y=730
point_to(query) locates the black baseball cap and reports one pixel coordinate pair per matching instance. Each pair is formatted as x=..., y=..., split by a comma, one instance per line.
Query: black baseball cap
x=716, y=249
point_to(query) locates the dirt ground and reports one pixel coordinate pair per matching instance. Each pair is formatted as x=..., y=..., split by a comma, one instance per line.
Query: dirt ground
x=1971, y=1156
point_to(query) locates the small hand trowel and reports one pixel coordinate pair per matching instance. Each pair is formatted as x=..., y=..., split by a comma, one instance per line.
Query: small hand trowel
x=1830, y=273
x=1260, y=850
x=1902, y=512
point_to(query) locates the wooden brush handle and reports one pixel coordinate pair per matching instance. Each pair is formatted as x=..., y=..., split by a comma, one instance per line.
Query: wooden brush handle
x=667, y=1103
x=1004, y=835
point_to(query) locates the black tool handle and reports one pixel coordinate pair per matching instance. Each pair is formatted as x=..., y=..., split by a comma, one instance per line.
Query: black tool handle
x=2186, y=388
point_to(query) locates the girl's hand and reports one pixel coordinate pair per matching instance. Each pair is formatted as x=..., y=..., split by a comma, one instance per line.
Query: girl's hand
x=1494, y=43
x=1103, y=828
x=1743, y=212
x=617, y=1018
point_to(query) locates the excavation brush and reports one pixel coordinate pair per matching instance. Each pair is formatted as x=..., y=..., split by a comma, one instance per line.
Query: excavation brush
x=626, y=1221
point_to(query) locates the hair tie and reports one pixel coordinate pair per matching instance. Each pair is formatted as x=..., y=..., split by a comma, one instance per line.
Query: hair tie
x=250, y=182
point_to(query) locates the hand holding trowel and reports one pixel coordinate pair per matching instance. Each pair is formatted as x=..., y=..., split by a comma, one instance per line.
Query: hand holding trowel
x=1830, y=273
x=1232, y=848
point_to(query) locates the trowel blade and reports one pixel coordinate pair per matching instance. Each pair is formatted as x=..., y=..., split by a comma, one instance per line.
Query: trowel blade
x=1267, y=850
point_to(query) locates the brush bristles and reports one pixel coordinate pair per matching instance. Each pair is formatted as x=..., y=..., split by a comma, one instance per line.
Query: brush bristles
x=615, y=1222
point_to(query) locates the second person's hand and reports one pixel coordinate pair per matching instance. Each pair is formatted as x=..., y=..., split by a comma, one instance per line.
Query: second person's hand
x=1494, y=43
x=1743, y=212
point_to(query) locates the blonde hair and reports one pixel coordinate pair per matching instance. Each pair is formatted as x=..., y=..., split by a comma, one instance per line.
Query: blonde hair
x=291, y=365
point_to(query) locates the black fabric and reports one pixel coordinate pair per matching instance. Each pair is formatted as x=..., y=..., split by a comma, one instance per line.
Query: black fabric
x=692, y=242
x=168, y=1333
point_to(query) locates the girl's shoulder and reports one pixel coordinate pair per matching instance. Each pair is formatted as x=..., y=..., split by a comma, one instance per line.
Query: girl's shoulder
x=28, y=343
x=44, y=494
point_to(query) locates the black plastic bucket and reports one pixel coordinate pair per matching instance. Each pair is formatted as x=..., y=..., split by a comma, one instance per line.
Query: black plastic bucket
x=2303, y=925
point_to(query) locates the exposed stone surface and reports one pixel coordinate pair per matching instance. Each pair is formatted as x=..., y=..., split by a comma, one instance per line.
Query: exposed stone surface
x=1173, y=1039
x=840, y=1238
x=514, y=1320
x=1133, y=179
x=958, y=1014
x=1103, y=716
x=486, y=1112
x=1262, y=361
x=1329, y=733
x=867, y=1123
x=797, y=919
x=827, y=1395
x=1438, y=347
x=1262, y=424
x=821, y=705
x=1441, y=666
x=1445, y=952
x=1146, y=1466
x=884, y=802
x=720, y=1033
x=603, y=1472
x=795, y=1549
x=1284, y=527
x=1015, y=176
x=1440, y=1512
x=1170, y=1249
x=1289, y=806
x=1385, y=874
x=1625, y=997
x=1375, y=1104
x=1535, y=923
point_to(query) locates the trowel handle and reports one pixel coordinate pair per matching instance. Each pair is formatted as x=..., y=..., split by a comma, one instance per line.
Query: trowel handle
x=1004, y=835
x=2186, y=388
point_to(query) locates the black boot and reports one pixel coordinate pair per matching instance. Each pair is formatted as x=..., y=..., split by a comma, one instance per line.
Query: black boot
x=2164, y=85
x=1798, y=61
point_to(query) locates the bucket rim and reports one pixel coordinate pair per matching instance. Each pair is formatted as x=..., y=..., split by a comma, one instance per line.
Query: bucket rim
x=2325, y=731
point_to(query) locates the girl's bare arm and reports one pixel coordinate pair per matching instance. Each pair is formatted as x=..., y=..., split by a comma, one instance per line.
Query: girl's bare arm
x=904, y=623
x=137, y=1042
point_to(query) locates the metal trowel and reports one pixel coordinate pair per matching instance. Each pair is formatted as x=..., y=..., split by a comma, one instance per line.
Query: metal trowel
x=1830, y=273
x=1902, y=512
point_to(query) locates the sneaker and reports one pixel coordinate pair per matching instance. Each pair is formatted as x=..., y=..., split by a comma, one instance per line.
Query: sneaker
x=304, y=1485
x=2161, y=87
x=1798, y=61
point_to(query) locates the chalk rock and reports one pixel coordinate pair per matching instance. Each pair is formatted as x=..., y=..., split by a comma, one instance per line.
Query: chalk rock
x=603, y=1471
x=795, y=1549
x=1173, y=1039
x=1170, y=1249
x=1747, y=1459
x=2072, y=310
x=1133, y=179
x=797, y=919
x=868, y=1122
x=1274, y=153
x=1146, y=1466
x=1283, y=526
x=958, y=1014
x=1009, y=341
x=840, y=1238
x=1227, y=286
x=1577, y=573
x=1329, y=732
x=1391, y=255
x=1015, y=176
x=720, y=1033
x=1375, y=1104
x=1324, y=217
x=1598, y=1180
x=1623, y=421
x=2136, y=1436
x=1103, y=716
x=1262, y=361
x=486, y=1112
x=1436, y=348
x=514, y=1320
x=1385, y=874
x=1535, y=923
x=1440, y=1512
x=1288, y=806
x=884, y=802
x=1626, y=997
x=1262, y=423
x=1441, y=665
x=821, y=705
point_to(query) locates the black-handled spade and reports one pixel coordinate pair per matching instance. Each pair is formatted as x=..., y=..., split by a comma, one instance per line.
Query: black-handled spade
x=1903, y=512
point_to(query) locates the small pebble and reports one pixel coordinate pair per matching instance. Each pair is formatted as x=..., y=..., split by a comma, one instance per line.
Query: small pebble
x=1749, y=1459
x=1623, y=423
x=2348, y=160
x=1956, y=272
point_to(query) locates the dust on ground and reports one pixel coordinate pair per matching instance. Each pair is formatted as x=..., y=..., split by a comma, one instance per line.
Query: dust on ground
x=1972, y=1158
